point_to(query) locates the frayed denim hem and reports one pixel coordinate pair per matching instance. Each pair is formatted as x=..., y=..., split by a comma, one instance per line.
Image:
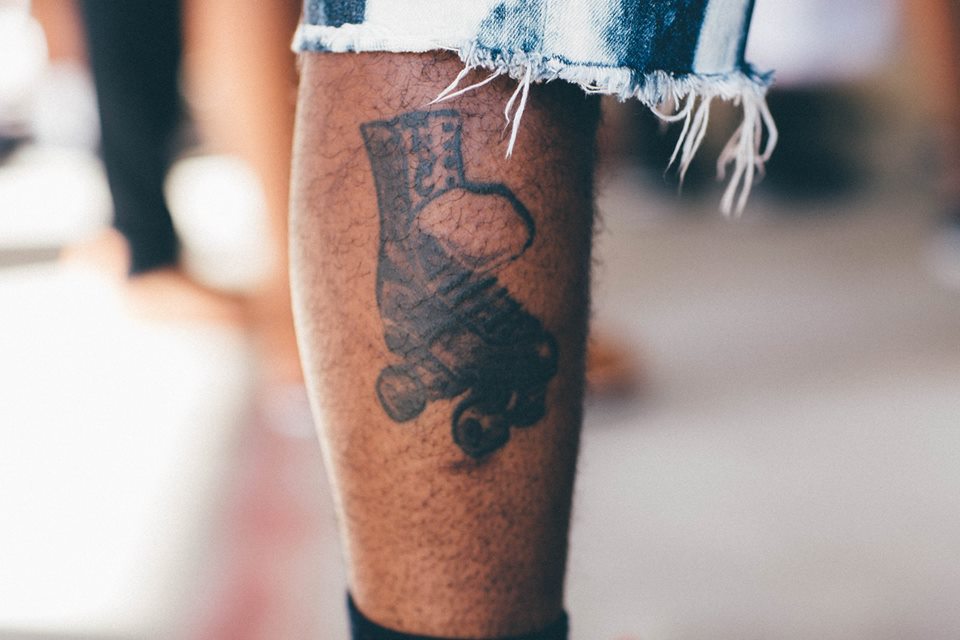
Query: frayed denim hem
x=674, y=97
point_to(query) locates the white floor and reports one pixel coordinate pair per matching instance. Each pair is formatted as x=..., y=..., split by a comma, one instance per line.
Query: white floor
x=793, y=470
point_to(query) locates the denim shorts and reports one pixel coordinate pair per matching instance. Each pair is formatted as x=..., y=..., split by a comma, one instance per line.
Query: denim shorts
x=676, y=56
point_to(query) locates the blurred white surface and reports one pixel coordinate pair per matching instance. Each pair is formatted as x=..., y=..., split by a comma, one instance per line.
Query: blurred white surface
x=23, y=50
x=218, y=209
x=50, y=197
x=114, y=436
x=813, y=42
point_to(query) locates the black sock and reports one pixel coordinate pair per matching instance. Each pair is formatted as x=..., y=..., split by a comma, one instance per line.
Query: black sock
x=363, y=629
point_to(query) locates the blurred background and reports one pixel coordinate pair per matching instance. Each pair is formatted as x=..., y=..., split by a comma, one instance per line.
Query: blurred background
x=772, y=440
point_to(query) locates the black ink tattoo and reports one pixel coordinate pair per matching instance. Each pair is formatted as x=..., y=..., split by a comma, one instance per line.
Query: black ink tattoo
x=455, y=328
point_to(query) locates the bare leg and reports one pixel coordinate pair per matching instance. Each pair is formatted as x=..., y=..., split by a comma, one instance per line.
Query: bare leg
x=61, y=24
x=441, y=298
x=244, y=85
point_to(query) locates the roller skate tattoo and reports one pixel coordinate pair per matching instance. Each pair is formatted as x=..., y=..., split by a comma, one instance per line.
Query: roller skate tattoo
x=456, y=331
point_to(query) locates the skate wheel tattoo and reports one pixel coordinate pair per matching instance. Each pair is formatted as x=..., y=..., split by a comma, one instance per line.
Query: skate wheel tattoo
x=456, y=330
x=478, y=430
x=401, y=393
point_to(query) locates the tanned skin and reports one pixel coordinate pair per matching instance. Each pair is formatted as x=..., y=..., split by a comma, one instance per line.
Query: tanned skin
x=441, y=299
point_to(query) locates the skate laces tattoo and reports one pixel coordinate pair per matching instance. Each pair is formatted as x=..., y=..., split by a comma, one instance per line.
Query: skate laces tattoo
x=456, y=330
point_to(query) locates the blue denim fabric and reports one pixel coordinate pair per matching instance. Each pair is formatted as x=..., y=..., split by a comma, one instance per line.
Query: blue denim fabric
x=640, y=35
x=643, y=35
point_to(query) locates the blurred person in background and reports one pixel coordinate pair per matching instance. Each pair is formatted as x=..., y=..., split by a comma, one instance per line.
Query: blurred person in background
x=242, y=80
x=233, y=65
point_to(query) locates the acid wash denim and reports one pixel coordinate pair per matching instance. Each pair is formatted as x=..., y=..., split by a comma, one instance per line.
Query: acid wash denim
x=676, y=56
